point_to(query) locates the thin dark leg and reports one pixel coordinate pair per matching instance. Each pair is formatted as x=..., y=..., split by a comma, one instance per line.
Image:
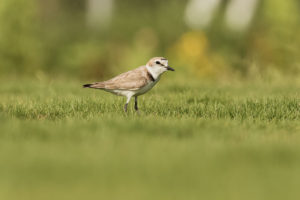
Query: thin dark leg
x=135, y=104
x=125, y=107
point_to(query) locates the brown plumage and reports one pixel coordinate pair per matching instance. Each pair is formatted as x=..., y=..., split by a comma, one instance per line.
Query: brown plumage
x=131, y=80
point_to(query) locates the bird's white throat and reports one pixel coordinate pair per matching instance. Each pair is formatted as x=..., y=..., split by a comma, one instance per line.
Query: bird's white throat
x=156, y=71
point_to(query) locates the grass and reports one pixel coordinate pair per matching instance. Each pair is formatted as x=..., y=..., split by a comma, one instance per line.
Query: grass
x=191, y=141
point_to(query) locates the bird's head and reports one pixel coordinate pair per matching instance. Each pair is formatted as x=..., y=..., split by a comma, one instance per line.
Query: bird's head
x=158, y=65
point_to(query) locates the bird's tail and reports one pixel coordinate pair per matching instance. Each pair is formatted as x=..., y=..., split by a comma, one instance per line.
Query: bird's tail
x=97, y=85
x=87, y=85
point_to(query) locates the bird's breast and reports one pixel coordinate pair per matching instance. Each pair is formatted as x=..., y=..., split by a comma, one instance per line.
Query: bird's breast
x=146, y=88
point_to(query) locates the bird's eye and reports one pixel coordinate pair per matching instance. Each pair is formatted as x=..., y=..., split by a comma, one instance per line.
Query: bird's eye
x=157, y=62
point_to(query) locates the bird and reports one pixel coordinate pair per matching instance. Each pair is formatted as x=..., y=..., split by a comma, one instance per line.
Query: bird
x=135, y=82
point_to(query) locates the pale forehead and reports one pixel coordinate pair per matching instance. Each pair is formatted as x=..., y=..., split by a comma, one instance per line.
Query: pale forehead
x=162, y=59
x=153, y=61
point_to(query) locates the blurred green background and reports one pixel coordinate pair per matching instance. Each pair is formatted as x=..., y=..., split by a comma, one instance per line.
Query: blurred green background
x=224, y=126
x=99, y=38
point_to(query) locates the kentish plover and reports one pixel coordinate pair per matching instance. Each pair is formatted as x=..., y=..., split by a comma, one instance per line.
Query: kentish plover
x=135, y=82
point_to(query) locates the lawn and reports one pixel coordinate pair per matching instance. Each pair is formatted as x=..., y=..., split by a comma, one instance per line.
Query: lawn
x=191, y=141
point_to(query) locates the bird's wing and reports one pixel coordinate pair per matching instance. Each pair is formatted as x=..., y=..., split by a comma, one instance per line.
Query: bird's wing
x=131, y=80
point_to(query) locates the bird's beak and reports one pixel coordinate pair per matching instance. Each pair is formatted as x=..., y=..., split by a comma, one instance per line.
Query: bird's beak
x=170, y=68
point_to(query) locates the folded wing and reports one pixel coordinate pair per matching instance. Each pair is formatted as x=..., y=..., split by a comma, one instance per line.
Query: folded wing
x=131, y=80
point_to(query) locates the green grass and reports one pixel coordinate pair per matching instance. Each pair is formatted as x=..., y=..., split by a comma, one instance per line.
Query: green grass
x=191, y=141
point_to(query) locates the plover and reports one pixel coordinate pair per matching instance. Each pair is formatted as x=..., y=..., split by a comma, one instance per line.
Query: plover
x=135, y=82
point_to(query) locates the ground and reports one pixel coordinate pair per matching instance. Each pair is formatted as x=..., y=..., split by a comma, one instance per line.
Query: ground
x=191, y=141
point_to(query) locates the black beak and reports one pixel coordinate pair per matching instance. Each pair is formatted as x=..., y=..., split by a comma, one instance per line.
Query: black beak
x=170, y=68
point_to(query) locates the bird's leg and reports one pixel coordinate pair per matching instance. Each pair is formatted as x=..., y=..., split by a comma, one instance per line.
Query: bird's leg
x=136, y=104
x=125, y=107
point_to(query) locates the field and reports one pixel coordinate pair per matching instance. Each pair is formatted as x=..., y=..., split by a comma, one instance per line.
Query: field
x=191, y=141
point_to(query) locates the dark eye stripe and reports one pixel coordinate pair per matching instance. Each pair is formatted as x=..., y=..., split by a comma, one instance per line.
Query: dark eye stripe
x=157, y=62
